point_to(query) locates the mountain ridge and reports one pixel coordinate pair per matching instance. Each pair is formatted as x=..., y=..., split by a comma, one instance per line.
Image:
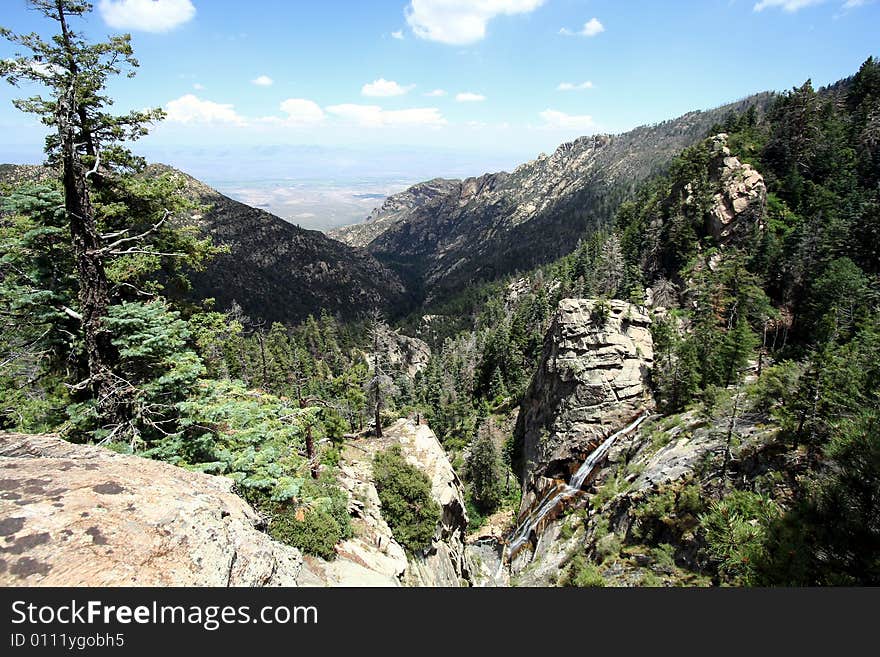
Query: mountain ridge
x=441, y=235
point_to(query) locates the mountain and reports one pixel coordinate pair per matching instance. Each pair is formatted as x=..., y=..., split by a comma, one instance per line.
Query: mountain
x=280, y=272
x=441, y=235
x=274, y=270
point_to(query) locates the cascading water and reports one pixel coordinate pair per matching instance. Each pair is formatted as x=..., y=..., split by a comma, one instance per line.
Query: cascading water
x=557, y=496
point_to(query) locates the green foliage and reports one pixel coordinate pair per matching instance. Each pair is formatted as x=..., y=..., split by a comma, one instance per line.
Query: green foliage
x=71, y=63
x=846, y=502
x=607, y=547
x=311, y=530
x=316, y=522
x=736, y=532
x=773, y=392
x=581, y=573
x=663, y=557
x=405, y=494
x=610, y=488
x=37, y=337
x=668, y=513
x=155, y=365
x=831, y=536
x=484, y=474
x=254, y=438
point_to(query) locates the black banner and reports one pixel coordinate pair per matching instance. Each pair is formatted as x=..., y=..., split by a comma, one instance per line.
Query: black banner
x=130, y=621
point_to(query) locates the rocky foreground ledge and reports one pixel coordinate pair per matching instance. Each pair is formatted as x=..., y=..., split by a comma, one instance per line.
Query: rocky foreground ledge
x=76, y=515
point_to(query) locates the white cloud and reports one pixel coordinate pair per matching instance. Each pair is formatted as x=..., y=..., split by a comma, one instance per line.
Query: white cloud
x=468, y=97
x=791, y=6
x=572, y=86
x=436, y=93
x=301, y=111
x=460, y=22
x=398, y=34
x=591, y=28
x=786, y=5
x=561, y=121
x=199, y=87
x=263, y=81
x=192, y=109
x=41, y=69
x=146, y=15
x=373, y=116
x=383, y=88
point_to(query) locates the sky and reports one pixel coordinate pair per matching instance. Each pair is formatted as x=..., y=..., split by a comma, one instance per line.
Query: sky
x=372, y=96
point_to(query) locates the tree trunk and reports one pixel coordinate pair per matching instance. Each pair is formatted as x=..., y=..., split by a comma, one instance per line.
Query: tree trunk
x=85, y=133
x=310, y=453
x=94, y=289
x=727, y=444
x=261, y=340
x=378, y=420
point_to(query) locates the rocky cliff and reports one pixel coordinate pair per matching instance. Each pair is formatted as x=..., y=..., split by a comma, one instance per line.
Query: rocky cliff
x=638, y=519
x=444, y=234
x=592, y=381
x=740, y=203
x=374, y=547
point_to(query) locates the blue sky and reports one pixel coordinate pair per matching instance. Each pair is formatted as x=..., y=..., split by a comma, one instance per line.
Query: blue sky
x=356, y=77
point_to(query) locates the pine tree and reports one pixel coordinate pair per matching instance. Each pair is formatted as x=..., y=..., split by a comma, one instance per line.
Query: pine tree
x=87, y=146
x=380, y=386
x=484, y=472
x=37, y=325
x=610, y=268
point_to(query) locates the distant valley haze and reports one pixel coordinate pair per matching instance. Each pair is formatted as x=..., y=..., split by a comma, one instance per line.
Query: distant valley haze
x=322, y=188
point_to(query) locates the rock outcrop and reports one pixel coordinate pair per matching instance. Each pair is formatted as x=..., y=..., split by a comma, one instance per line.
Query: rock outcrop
x=402, y=354
x=664, y=455
x=75, y=515
x=374, y=547
x=740, y=204
x=592, y=381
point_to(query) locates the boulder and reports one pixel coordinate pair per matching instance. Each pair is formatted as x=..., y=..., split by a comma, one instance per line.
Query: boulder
x=76, y=515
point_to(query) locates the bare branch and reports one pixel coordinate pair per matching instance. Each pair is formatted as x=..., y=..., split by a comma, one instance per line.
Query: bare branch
x=70, y=312
x=94, y=169
x=110, y=248
x=134, y=251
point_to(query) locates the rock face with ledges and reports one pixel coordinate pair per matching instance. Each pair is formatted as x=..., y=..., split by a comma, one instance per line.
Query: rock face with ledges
x=74, y=515
x=373, y=547
x=592, y=381
x=740, y=204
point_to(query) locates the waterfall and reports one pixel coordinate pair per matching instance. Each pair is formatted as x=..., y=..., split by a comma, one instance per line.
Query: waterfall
x=557, y=496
